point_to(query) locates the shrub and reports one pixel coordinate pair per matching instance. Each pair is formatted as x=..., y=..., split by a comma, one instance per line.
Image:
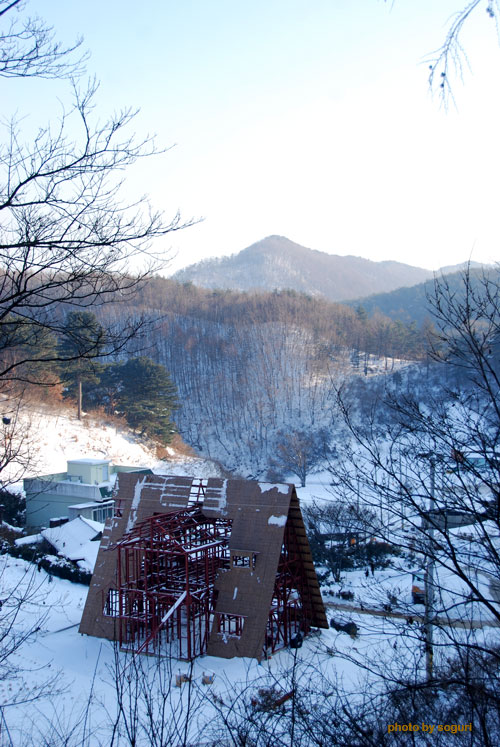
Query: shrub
x=14, y=507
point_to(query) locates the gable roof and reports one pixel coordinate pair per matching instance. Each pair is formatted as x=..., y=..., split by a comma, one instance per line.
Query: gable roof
x=76, y=540
x=260, y=513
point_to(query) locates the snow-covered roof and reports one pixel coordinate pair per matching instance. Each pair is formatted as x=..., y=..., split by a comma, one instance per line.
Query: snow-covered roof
x=93, y=504
x=76, y=540
x=95, y=525
x=31, y=539
x=89, y=460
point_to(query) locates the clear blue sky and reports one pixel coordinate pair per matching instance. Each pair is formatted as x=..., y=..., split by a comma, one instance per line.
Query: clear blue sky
x=310, y=119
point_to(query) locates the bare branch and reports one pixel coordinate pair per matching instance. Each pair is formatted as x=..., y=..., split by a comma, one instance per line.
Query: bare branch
x=451, y=59
x=28, y=49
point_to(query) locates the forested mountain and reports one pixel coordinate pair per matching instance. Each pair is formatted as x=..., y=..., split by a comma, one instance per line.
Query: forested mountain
x=250, y=366
x=278, y=263
x=410, y=305
x=335, y=325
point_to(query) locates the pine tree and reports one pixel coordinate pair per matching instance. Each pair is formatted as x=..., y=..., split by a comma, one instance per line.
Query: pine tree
x=104, y=391
x=82, y=342
x=148, y=397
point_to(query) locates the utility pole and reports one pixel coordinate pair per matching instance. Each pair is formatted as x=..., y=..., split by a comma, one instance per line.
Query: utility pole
x=429, y=571
x=429, y=576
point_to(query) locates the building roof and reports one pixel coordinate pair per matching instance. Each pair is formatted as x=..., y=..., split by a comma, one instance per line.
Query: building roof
x=89, y=460
x=92, y=504
x=76, y=540
x=259, y=514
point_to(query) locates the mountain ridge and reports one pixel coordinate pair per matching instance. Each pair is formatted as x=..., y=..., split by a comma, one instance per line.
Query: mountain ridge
x=277, y=263
x=410, y=305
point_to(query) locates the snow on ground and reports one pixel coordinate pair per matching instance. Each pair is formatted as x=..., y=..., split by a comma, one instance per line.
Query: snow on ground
x=81, y=669
x=318, y=487
x=80, y=666
x=57, y=436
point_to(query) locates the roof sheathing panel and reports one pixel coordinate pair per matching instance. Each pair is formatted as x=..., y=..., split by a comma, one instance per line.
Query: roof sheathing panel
x=318, y=607
x=138, y=496
x=245, y=591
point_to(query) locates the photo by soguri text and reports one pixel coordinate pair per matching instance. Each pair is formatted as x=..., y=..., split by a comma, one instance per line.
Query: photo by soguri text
x=429, y=728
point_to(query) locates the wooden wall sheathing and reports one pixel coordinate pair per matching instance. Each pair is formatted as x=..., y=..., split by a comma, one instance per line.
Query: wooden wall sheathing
x=311, y=585
x=259, y=512
x=139, y=497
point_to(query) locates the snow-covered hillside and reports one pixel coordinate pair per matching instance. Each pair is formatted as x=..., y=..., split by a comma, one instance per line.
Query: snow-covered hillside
x=54, y=435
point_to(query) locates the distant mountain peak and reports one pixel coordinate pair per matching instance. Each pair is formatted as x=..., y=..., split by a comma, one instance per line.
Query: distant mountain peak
x=277, y=263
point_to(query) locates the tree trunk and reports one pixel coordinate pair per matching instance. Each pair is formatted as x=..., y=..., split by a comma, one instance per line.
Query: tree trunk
x=79, y=399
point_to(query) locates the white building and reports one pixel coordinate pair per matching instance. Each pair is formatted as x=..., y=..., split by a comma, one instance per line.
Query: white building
x=85, y=489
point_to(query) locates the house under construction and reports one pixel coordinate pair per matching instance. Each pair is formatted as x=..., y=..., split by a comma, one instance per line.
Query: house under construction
x=189, y=567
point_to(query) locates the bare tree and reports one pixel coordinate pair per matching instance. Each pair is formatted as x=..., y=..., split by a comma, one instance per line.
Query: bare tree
x=68, y=240
x=340, y=534
x=307, y=704
x=66, y=236
x=17, y=451
x=300, y=451
x=450, y=59
x=18, y=624
x=428, y=461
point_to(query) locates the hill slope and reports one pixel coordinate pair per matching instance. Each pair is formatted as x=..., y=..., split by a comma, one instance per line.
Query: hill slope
x=278, y=263
x=411, y=304
x=49, y=436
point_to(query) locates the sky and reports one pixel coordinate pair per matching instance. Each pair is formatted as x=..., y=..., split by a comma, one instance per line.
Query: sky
x=310, y=119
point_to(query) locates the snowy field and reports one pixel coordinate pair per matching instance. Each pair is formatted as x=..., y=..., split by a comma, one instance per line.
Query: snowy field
x=73, y=678
x=69, y=674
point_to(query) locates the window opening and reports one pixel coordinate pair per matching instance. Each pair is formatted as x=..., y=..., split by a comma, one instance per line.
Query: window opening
x=242, y=559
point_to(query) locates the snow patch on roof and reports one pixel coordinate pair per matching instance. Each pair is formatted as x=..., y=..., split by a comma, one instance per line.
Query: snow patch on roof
x=91, y=504
x=278, y=521
x=135, y=503
x=89, y=460
x=218, y=496
x=223, y=495
x=32, y=539
x=96, y=526
x=265, y=487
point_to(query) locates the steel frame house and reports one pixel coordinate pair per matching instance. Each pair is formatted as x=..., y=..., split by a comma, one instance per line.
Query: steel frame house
x=188, y=567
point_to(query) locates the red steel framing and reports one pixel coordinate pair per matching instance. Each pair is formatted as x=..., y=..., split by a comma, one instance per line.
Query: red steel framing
x=165, y=600
x=166, y=571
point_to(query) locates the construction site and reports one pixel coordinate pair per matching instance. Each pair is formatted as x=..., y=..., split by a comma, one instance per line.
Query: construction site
x=189, y=567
